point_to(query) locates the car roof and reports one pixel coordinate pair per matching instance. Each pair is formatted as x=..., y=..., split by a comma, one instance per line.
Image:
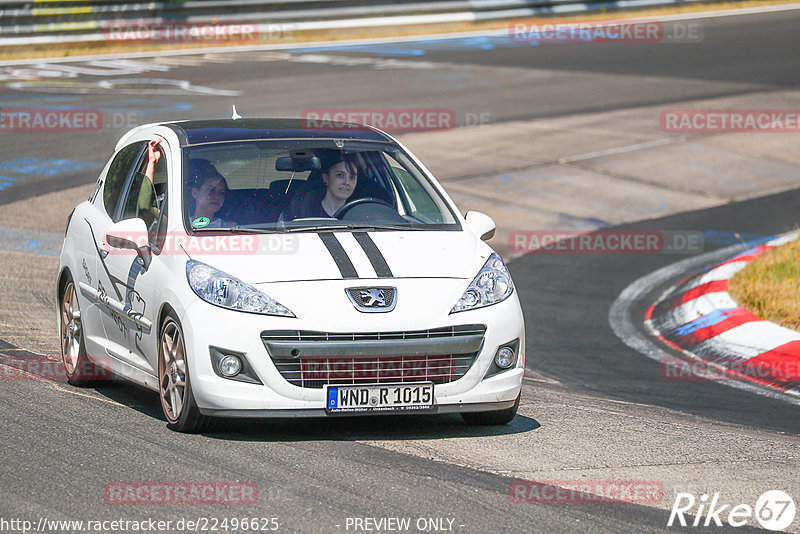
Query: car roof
x=195, y=132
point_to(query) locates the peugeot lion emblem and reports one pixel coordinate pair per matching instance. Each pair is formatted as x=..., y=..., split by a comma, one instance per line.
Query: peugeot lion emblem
x=372, y=299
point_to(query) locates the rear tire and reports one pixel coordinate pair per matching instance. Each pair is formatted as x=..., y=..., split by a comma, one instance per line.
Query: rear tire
x=493, y=418
x=174, y=384
x=80, y=371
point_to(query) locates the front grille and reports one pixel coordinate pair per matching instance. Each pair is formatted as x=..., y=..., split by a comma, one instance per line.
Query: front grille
x=315, y=359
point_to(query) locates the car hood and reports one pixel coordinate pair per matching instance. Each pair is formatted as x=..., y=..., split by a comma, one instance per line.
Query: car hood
x=267, y=258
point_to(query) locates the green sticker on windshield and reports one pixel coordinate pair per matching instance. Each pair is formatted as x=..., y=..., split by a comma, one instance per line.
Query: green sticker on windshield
x=200, y=222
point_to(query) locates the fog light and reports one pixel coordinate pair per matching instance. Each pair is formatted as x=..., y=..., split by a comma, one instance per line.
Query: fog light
x=505, y=357
x=230, y=365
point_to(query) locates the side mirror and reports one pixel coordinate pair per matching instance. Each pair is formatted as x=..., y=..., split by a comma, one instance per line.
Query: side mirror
x=130, y=234
x=481, y=225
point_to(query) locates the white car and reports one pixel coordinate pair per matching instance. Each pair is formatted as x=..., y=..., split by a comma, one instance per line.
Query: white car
x=261, y=268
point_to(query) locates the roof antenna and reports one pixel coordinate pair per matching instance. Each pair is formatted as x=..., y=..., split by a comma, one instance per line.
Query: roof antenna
x=236, y=115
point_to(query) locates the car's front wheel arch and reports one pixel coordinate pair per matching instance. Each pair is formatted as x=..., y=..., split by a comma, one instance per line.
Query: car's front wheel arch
x=174, y=378
x=61, y=283
x=166, y=309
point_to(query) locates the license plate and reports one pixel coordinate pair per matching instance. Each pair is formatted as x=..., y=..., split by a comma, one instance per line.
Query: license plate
x=380, y=398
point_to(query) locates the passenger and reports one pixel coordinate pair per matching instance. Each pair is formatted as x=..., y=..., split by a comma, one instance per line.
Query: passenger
x=207, y=190
x=148, y=210
x=340, y=176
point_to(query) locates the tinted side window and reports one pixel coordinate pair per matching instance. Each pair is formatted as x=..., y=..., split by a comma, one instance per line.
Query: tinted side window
x=157, y=232
x=118, y=173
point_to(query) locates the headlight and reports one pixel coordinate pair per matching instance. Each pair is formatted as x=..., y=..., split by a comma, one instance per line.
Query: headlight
x=492, y=285
x=222, y=289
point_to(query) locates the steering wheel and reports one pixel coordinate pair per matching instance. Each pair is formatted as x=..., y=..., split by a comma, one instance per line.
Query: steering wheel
x=357, y=202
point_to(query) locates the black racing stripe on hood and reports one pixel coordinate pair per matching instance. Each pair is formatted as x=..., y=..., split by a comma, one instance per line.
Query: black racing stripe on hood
x=374, y=254
x=339, y=255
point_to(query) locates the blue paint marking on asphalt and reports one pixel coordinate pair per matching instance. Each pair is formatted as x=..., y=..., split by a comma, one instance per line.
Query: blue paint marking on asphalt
x=423, y=46
x=580, y=223
x=28, y=98
x=717, y=316
x=150, y=106
x=55, y=108
x=47, y=167
x=8, y=181
x=31, y=241
x=745, y=253
x=718, y=237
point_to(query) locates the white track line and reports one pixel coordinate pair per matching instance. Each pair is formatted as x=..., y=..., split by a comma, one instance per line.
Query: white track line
x=622, y=149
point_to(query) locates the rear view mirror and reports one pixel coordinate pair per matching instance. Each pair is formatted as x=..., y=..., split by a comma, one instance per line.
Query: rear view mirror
x=300, y=162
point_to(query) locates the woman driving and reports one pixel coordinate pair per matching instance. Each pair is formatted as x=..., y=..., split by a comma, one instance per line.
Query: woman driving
x=340, y=176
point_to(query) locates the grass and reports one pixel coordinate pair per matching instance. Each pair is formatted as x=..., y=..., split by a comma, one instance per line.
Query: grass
x=769, y=286
x=81, y=49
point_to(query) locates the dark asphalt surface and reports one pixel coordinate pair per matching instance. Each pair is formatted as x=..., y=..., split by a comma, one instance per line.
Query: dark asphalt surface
x=59, y=449
x=573, y=293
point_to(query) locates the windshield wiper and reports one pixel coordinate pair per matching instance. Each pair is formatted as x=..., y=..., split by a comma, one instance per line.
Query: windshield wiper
x=299, y=229
x=335, y=227
x=237, y=229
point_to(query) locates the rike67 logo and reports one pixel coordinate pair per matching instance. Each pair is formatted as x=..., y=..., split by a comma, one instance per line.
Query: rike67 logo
x=774, y=510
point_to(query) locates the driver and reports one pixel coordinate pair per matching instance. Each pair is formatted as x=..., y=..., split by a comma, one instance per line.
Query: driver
x=340, y=176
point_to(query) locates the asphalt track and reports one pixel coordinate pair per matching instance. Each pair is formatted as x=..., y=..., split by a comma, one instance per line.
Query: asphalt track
x=62, y=445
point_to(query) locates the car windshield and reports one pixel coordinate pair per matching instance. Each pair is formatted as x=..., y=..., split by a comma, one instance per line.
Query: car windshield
x=305, y=185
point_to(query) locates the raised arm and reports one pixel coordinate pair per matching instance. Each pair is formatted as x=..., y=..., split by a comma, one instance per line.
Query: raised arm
x=153, y=156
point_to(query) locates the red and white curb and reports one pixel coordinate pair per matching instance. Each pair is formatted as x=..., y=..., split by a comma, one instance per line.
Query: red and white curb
x=726, y=342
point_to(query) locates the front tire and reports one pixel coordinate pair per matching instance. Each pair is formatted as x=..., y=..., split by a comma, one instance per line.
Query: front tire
x=174, y=383
x=493, y=418
x=79, y=370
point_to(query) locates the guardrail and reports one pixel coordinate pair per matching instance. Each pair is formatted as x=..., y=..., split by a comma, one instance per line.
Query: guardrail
x=47, y=21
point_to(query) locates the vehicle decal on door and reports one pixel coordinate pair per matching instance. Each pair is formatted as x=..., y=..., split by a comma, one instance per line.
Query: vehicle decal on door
x=116, y=308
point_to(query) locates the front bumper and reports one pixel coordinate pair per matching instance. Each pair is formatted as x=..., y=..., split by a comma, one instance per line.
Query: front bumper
x=277, y=397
